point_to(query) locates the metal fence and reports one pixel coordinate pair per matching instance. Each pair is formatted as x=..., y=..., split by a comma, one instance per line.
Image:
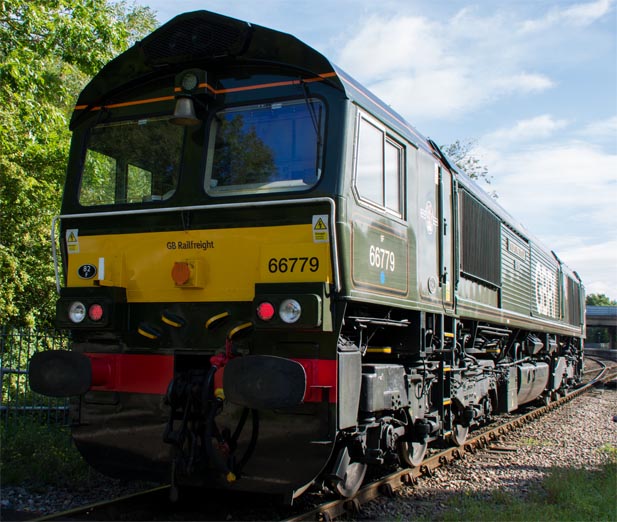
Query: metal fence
x=17, y=400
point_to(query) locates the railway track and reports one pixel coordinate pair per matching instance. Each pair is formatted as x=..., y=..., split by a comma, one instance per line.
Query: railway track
x=154, y=504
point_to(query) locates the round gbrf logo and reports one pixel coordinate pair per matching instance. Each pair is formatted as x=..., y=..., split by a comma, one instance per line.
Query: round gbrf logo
x=86, y=271
x=427, y=214
x=546, y=290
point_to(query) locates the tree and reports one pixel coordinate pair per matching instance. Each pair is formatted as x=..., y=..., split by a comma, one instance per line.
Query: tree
x=48, y=50
x=241, y=155
x=462, y=155
x=599, y=334
x=599, y=300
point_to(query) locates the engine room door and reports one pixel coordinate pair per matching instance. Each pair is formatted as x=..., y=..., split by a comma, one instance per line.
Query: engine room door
x=446, y=237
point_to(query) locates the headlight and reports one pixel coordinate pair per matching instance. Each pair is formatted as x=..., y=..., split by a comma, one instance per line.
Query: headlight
x=290, y=311
x=77, y=312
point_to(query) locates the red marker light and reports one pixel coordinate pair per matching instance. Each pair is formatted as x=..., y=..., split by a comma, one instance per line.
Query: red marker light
x=95, y=312
x=265, y=311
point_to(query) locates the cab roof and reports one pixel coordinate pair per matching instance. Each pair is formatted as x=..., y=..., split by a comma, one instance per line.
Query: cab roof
x=207, y=38
x=214, y=39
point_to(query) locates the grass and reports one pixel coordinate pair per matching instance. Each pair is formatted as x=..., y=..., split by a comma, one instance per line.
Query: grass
x=39, y=454
x=567, y=494
x=532, y=441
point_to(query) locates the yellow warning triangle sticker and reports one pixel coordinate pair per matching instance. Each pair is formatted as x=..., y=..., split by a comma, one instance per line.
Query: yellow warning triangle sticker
x=72, y=238
x=320, y=225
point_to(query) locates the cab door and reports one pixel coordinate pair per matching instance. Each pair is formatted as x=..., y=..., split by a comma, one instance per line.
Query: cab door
x=446, y=236
x=435, y=234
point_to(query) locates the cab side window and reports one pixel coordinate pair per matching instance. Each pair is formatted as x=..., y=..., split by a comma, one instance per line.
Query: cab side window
x=379, y=167
x=393, y=156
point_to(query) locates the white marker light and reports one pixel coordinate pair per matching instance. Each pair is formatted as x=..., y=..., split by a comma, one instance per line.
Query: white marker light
x=290, y=311
x=77, y=312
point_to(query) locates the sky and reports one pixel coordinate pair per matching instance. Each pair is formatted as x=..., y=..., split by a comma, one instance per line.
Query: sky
x=531, y=83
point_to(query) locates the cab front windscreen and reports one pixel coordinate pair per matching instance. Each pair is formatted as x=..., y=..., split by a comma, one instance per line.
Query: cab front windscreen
x=130, y=162
x=265, y=148
x=252, y=149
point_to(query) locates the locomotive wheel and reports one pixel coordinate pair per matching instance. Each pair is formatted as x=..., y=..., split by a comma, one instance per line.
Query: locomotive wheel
x=412, y=453
x=352, y=480
x=347, y=475
x=459, y=434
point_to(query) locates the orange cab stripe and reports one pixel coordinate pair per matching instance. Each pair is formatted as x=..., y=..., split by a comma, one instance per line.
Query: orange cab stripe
x=126, y=104
x=318, y=78
x=254, y=87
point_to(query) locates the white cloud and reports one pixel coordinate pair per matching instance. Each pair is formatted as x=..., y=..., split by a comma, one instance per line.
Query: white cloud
x=530, y=129
x=580, y=179
x=596, y=263
x=585, y=14
x=430, y=94
x=382, y=47
x=523, y=82
x=578, y=15
x=602, y=130
x=443, y=69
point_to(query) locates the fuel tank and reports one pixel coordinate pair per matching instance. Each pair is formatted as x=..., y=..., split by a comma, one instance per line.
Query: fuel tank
x=532, y=381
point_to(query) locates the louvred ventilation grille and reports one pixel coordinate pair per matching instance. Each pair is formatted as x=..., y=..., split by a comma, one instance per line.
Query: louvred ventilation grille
x=480, y=241
x=195, y=38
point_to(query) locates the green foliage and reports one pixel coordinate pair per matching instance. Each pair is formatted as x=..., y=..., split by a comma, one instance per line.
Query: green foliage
x=567, y=494
x=462, y=155
x=599, y=300
x=98, y=180
x=48, y=50
x=39, y=454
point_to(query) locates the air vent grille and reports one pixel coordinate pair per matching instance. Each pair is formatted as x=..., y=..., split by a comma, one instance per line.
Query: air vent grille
x=195, y=38
x=480, y=241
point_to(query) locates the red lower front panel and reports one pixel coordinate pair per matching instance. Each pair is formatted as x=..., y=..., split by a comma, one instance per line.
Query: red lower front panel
x=131, y=373
x=151, y=374
x=320, y=377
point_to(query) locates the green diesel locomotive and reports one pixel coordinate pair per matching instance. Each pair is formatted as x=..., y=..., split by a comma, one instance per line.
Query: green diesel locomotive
x=273, y=281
